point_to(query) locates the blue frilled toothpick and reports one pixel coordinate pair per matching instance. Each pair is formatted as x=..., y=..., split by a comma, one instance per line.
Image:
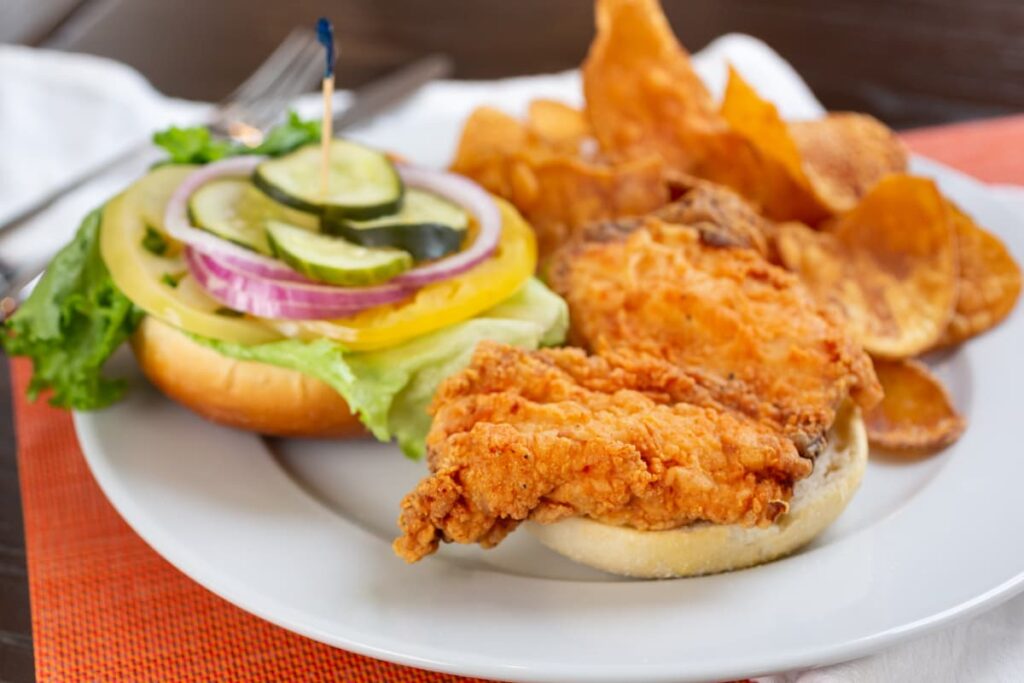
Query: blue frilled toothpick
x=325, y=34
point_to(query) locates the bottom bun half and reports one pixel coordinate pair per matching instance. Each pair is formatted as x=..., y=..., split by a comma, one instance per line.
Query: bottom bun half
x=710, y=548
x=254, y=396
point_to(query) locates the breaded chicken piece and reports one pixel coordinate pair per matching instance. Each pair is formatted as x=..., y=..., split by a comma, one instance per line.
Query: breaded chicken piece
x=626, y=440
x=721, y=217
x=751, y=331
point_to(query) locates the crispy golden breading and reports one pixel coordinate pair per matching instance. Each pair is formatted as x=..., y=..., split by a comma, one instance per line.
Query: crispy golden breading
x=626, y=440
x=753, y=333
x=721, y=217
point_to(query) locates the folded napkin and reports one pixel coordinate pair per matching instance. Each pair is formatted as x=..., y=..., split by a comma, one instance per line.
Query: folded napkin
x=64, y=113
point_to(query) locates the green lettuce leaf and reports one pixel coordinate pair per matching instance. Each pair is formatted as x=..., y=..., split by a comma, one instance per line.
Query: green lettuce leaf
x=290, y=135
x=390, y=389
x=73, y=321
x=197, y=145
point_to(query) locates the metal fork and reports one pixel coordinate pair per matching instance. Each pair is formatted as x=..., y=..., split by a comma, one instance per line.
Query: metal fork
x=293, y=68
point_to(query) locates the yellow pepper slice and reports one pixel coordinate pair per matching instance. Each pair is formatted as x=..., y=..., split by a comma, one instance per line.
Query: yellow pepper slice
x=437, y=305
x=140, y=274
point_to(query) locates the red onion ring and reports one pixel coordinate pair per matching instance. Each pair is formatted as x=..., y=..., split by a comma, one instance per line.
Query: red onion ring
x=179, y=226
x=268, y=298
x=276, y=270
x=475, y=200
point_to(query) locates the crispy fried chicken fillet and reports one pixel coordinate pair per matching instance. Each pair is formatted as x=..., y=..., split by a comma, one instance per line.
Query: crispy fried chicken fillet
x=749, y=332
x=622, y=439
x=721, y=217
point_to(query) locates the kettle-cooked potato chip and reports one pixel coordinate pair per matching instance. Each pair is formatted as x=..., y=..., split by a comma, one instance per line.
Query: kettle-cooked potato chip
x=916, y=412
x=643, y=96
x=844, y=154
x=489, y=138
x=890, y=264
x=771, y=172
x=807, y=170
x=560, y=194
x=560, y=127
x=557, y=191
x=990, y=281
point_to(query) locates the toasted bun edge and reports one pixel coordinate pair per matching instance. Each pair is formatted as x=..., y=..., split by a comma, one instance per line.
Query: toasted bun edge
x=245, y=394
x=711, y=548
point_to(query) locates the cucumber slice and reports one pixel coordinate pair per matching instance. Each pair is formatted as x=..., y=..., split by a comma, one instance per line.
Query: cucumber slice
x=332, y=259
x=233, y=209
x=427, y=226
x=361, y=183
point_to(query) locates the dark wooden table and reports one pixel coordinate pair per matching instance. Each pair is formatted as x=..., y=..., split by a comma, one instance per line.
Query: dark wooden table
x=909, y=62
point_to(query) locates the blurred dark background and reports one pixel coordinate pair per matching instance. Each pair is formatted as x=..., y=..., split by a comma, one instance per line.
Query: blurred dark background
x=909, y=62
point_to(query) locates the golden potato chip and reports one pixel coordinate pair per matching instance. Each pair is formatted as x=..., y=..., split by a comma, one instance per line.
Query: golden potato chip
x=845, y=154
x=556, y=191
x=759, y=121
x=890, y=265
x=990, y=281
x=489, y=138
x=808, y=170
x=643, y=96
x=916, y=412
x=572, y=193
x=770, y=173
x=559, y=126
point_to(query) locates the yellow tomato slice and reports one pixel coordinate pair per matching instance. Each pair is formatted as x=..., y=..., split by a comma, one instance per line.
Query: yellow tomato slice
x=140, y=274
x=437, y=305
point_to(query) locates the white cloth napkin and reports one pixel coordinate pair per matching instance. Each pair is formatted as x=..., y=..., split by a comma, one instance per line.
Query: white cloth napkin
x=62, y=113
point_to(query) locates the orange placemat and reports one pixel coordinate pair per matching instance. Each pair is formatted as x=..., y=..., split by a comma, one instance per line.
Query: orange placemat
x=991, y=150
x=106, y=607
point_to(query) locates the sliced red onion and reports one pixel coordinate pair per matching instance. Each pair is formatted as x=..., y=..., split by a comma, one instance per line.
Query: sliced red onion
x=273, y=270
x=268, y=298
x=473, y=199
x=179, y=226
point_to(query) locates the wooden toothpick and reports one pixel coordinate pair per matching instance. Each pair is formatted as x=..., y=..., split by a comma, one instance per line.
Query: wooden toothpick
x=325, y=34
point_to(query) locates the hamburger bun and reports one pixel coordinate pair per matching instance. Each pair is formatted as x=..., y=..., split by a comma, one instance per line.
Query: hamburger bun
x=255, y=396
x=705, y=548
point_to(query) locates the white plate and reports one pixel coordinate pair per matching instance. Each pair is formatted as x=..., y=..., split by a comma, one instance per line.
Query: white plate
x=298, y=532
x=301, y=535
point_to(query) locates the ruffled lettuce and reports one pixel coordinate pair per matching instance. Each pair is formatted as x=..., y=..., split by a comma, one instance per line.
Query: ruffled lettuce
x=390, y=389
x=197, y=145
x=74, y=320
